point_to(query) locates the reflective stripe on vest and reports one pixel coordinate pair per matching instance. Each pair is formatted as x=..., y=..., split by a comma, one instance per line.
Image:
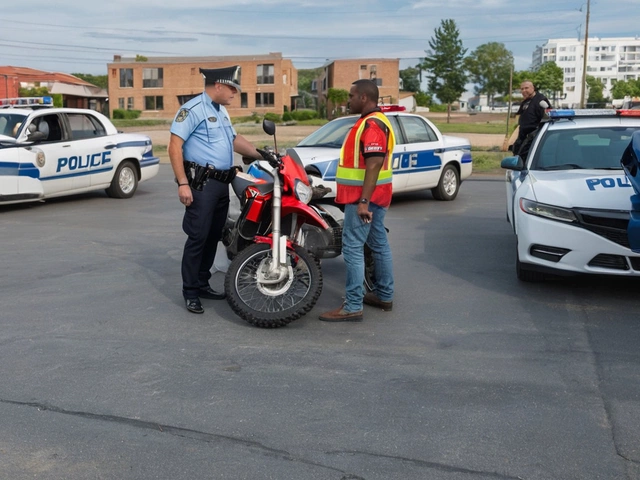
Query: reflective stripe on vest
x=354, y=174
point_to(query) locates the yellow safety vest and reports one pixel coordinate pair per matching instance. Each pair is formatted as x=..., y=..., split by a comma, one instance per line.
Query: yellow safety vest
x=350, y=171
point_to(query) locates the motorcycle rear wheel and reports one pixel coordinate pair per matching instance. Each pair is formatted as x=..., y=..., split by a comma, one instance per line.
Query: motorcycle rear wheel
x=272, y=305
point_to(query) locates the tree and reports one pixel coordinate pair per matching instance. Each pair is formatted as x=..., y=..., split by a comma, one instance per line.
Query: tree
x=549, y=79
x=101, y=81
x=410, y=79
x=306, y=78
x=444, y=64
x=596, y=87
x=490, y=66
x=624, y=88
x=337, y=97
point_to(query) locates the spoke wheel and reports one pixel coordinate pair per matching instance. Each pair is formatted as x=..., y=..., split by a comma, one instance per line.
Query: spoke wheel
x=269, y=301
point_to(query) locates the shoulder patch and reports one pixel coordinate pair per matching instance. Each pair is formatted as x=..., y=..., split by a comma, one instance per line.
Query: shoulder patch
x=182, y=114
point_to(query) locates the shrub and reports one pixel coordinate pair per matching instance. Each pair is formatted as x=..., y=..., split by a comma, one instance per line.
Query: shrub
x=300, y=115
x=119, y=113
x=274, y=117
x=287, y=117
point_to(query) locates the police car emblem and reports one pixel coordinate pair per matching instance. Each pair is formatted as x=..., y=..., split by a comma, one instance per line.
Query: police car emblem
x=212, y=119
x=182, y=114
x=40, y=159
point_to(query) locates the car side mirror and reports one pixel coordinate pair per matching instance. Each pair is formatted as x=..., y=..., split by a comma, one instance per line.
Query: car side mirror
x=513, y=163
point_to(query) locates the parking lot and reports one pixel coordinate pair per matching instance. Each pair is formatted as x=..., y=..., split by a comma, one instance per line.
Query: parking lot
x=474, y=375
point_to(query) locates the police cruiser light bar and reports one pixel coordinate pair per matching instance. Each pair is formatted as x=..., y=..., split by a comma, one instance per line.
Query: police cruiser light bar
x=20, y=102
x=592, y=112
x=392, y=108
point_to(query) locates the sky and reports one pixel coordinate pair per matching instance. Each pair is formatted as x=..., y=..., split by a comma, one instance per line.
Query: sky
x=82, y=37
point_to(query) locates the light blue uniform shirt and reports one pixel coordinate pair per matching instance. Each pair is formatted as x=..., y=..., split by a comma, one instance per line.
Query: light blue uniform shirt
x=207, y=132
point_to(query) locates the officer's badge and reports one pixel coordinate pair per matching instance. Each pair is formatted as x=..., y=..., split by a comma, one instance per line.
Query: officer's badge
x=182, y=114
x=212, y=119
x=40, y=159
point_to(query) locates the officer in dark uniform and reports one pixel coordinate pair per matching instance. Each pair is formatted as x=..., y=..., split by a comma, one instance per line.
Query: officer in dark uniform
x=201, y=151
x=531, y=112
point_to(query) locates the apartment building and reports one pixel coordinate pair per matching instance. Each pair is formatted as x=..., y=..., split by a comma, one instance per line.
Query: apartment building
x=608, y=59
x=341, y=74
x=158, y=86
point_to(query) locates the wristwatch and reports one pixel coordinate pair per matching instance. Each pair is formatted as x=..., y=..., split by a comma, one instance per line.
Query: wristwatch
x=364, y=200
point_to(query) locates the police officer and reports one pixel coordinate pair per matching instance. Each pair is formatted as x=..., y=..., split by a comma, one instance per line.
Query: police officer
x=201, y=151
x=531, y=112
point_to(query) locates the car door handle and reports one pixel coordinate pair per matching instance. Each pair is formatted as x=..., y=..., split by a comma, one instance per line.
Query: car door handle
x=109, y=146
x=439, y=150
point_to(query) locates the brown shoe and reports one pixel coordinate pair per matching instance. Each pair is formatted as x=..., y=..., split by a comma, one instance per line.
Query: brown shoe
x=339, y=315
x=370, y=298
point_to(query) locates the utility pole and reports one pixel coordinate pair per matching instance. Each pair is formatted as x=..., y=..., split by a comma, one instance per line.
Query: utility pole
x=583, y=95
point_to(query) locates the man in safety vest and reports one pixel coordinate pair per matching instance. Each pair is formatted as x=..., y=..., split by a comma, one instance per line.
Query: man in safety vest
x=363, y=181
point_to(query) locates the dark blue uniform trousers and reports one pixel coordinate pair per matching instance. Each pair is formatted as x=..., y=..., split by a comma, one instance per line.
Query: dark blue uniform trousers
x=203, y=222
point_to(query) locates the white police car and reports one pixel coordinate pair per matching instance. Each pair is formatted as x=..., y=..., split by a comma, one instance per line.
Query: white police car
x=569, y=201
x=51, y=152
x=423, y=158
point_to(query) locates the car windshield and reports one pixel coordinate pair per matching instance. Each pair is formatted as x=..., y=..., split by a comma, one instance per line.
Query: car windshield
x=582, y=148
x=10, y=123
x=330, y=135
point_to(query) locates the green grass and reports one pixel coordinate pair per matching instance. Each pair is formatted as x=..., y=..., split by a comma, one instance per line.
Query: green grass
x=139, y=123
x=488, y=161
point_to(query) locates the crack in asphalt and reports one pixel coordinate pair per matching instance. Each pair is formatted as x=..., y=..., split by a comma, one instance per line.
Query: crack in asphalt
x=211, y=437
x=431, y=465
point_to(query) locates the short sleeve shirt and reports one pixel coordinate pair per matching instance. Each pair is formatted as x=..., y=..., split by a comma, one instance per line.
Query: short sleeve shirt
x=207, y=132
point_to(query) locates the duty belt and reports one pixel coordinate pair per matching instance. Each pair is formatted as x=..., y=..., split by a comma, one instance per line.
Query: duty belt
x=198, y=175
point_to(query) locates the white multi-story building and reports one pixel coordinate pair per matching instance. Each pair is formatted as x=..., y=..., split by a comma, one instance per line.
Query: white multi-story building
x=609, y=60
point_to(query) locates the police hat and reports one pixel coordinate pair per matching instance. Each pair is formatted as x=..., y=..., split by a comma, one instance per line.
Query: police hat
x=227, y=75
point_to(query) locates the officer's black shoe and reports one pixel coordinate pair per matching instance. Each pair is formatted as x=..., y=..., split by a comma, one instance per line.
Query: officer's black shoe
x=194, y=305
x=211, y=294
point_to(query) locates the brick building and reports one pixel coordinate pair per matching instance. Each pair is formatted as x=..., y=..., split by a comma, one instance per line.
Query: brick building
x=341, y=74
x=158, y=86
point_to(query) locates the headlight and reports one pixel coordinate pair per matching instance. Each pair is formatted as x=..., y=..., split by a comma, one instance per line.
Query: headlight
x=303, y=191
x=547, y=211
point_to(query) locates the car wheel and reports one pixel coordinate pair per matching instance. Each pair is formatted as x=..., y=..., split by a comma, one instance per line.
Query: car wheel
x=125, y=181
x=448, y=185
x=525, y=274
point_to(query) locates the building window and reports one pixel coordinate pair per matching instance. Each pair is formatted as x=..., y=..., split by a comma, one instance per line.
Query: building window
x=243, y=100
x=129, y=103
x=182, y=99
x=126, y=78
x=152, y=77
x=264, y=99
x=373, y=72
x=363, y=67
x=265, y=74
x=121, y=103
x=153, y=103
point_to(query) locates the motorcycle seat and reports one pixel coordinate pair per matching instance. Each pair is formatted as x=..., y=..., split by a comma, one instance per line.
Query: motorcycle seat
x=243, y=180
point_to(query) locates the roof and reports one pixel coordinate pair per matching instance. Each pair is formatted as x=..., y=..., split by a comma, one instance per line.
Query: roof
x=32, y=75
x=117, y=59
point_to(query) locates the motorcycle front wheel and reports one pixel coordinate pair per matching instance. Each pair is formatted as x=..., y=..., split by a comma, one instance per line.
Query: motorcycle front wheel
x=266, y=304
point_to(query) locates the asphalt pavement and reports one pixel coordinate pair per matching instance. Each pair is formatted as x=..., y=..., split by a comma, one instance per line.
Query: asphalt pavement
x=473, y=375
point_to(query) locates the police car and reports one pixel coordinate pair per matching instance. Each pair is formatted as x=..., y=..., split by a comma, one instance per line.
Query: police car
x=569, y=201
x=51, y=152
x=423, y=158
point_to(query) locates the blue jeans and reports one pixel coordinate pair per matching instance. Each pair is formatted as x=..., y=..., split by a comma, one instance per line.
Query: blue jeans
x=355, y=234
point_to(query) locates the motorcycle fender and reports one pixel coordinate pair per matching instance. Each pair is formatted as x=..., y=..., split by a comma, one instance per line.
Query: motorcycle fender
x=312, y=217
x=255, y=209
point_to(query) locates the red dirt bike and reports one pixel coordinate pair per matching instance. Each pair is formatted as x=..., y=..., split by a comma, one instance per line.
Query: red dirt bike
x=276, y=242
